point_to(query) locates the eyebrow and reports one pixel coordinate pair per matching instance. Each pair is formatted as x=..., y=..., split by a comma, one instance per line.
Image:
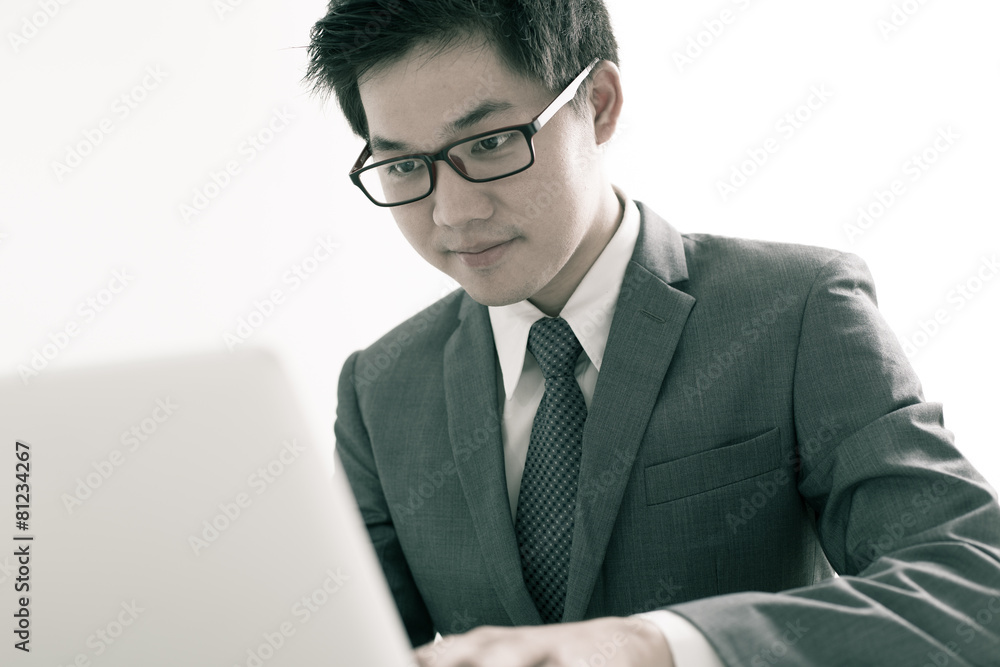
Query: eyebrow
x=481, y=111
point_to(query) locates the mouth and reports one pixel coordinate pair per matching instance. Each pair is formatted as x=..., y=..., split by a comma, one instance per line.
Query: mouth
x=484, y=254
x=479, y=248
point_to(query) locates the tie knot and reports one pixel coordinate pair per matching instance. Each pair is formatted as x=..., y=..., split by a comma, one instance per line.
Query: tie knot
x=555, y=347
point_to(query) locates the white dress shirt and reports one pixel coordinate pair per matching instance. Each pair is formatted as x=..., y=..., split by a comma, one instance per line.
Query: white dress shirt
x=588, y=312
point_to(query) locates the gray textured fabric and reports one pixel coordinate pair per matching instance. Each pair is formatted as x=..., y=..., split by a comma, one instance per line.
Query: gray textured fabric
x=755, y=427
x=547, y=497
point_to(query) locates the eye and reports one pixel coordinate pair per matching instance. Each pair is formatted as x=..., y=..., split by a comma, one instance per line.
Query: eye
x=404, y=168
x=490, y=144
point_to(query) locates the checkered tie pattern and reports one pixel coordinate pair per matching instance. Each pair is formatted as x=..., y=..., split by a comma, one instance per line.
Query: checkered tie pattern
x=547, y=499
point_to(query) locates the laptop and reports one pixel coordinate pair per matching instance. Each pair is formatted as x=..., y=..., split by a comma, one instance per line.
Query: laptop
x=181, y=511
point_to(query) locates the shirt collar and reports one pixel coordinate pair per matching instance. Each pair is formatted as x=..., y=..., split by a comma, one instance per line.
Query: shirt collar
x=588, y=312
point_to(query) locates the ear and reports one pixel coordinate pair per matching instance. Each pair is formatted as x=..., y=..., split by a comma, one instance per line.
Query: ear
x=606, y=100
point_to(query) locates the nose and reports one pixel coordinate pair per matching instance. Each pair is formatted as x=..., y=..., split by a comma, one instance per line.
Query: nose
x=457, y=201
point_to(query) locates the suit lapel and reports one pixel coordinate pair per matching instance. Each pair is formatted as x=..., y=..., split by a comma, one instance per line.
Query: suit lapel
x=649, y=317
x=474, y=427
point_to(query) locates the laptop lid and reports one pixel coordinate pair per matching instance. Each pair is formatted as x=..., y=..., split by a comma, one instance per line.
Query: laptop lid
x=181, y=511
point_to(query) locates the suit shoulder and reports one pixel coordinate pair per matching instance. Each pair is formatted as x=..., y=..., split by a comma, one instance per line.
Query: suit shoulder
x=412, y=349
x=429, y=327
x=751, y=261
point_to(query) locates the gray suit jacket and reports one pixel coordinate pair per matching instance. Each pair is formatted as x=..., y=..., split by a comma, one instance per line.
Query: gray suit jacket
x=755, y=428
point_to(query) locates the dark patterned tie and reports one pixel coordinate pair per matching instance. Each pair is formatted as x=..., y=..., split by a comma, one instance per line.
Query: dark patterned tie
x=544, y=524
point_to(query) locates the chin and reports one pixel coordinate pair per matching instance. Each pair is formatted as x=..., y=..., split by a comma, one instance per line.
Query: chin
x=488, y=297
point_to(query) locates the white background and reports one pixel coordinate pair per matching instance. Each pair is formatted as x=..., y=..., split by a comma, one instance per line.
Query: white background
x=686, y=126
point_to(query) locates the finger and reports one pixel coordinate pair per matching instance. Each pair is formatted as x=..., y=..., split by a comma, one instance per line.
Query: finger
x=503, y=648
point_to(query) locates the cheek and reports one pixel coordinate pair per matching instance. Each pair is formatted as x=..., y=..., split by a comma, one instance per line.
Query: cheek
x=416, y=232
x=560, y=183
x=543, y=194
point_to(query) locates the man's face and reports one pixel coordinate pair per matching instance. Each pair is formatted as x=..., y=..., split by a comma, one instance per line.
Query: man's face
x=531, y=235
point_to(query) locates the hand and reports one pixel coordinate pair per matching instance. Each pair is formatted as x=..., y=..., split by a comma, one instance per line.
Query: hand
x=611, y=642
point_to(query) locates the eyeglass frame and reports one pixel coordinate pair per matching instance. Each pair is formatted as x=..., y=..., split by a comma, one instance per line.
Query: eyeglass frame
x=529, y=130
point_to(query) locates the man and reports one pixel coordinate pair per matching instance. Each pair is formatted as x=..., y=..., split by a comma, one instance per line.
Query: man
x=611, y=418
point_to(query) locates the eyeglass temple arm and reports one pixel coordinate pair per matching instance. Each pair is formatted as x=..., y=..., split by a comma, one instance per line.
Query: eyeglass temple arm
x=365, y=154
x=565, y=96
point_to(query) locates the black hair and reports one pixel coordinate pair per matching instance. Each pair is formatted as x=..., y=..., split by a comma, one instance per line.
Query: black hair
x=549, y=42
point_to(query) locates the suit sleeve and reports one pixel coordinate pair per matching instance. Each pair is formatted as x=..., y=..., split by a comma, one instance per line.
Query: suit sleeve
x=358, y=462
x=912, y=529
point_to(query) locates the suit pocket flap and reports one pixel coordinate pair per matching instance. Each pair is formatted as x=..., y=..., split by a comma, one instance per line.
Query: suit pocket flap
x=712, y=469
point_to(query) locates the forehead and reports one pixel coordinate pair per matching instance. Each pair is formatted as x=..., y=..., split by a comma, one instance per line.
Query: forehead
x=433, y=95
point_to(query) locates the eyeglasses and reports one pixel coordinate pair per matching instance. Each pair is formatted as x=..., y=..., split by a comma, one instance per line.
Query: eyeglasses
x=481, y=158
